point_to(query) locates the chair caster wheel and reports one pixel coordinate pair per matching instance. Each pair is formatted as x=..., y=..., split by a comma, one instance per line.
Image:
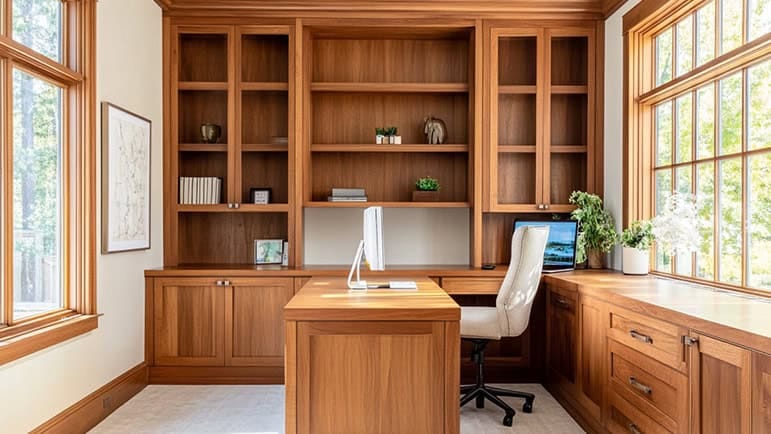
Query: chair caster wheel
x=508, y=420
x=480, y=402
x=527, y=407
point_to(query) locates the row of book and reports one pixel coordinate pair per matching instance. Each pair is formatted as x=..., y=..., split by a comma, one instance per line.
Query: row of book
x=347, y=195
x=194, y=190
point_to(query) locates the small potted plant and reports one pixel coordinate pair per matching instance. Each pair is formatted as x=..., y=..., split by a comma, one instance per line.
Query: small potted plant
x=427, y=190
x=597, y=234
x=380, y=136
x=393, y=138
x=637, y=240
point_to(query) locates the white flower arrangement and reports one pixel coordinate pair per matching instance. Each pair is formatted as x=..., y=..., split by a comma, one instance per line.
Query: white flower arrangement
x=676, y=226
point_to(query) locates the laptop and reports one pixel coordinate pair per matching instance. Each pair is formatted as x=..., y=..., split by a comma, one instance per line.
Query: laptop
x=560, y=253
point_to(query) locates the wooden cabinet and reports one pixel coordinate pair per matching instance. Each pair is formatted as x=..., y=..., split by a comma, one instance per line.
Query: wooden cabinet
x=761, y=393
x=561, y=338
x=592, y=325
x=721, y=386
x=541, y=111
x=189, y=319
x=253, y=310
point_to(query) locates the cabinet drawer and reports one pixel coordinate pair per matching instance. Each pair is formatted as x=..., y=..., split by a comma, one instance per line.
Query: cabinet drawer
x=625, y=418
x=471, y=285
x=652, y=387
x=658, y=339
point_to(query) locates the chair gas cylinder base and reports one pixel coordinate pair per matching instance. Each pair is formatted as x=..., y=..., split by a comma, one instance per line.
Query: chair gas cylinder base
x=480, y=391
x=509, y=317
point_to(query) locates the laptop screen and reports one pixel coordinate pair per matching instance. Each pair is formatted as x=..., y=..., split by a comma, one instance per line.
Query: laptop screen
x=561, y=245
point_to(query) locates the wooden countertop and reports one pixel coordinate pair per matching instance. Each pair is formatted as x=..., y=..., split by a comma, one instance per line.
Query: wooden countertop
x=329, y=299
x=739, y=318
x=321, y=270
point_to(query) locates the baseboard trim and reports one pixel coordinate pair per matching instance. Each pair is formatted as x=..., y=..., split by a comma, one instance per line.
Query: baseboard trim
x=216, y=375
x=89, y=411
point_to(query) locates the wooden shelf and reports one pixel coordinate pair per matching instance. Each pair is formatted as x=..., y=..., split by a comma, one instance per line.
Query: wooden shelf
x=569, y=149
x=264, y=85
x=244, y=207
x=388, y=148
x=569, y=90
x=516, y=89
x=516, y=149
x=390, y=87
x=203, y=147
x=322, y=204
x=264, y=147
x=203, y=85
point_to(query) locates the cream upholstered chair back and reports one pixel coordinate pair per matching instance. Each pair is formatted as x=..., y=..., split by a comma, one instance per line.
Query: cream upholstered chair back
x=515, y=298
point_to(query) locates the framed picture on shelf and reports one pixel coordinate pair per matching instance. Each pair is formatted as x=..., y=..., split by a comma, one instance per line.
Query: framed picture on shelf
x=260, y=196
x=268, y=251
x=126, y=144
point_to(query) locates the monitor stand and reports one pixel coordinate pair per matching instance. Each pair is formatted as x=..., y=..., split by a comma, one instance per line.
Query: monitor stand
x=358, y=284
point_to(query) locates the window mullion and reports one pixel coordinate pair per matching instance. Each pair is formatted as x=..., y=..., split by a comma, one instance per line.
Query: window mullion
x=6, y=193
x=716, y=181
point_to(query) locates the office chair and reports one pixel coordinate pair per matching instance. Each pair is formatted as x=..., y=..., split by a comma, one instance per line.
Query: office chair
x=509, y=317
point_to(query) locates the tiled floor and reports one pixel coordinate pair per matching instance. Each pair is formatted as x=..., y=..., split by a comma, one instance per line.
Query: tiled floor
x=260, y=409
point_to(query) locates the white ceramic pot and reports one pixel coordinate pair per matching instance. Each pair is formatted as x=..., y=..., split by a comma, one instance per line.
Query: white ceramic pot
x=636, y=261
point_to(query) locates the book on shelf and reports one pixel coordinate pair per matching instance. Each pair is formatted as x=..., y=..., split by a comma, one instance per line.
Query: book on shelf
x=197, y=190
x=348, y=192
x=347, y=198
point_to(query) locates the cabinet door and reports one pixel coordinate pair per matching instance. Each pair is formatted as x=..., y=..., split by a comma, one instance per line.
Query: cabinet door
x=761, y=394
x=568, y=148
x=592, y=319
x=189, y=318
x=515, y=106
x=721, y=387
x=561, y=338
x=254, y=329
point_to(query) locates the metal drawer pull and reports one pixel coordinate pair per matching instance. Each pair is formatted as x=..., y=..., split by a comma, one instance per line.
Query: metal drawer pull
x=639, y=386
x=562, y=301
x=633, y=429
x=640, y=337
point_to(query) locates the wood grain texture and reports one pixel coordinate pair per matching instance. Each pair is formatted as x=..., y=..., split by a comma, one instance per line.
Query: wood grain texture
x=329, y=299
x=189, y=322
x=253, y=335
x=343, y=388
x=659, y=339
x=761, y=393
x=89, y=411
x=623, y=418
x=471, y=286
x=592, y=374
x=721, y=387
x=195, y=375
x=667, y=402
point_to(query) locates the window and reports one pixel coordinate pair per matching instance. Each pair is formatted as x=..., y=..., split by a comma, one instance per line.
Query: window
x=703, y=127
x=47, y=154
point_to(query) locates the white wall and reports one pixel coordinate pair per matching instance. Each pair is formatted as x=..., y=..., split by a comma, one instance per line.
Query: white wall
x=614, y=111
x=432, y=236
x=37, y=387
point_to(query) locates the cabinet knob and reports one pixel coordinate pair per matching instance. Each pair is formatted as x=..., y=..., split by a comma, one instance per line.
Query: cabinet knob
x=237, y=205
x=219, y=282
x=226, y=283
x=230, y=206
x=539, y=206
x=546, y=206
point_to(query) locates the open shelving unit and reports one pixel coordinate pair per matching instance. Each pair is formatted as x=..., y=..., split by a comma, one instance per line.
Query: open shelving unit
x=236, y=77
x=360, y=79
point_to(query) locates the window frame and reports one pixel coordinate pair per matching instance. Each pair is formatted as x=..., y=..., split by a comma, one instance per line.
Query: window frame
x=641, y=26
x=75, y=75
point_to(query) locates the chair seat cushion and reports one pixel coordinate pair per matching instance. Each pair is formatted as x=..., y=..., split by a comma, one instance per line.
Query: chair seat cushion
x=479, y=322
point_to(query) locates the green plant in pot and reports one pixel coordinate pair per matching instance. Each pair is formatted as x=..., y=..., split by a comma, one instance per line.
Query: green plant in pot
x=597, y=234
x=427, y=190
x=637, y=240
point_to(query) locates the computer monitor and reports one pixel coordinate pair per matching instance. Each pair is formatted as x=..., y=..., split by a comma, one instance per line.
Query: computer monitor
x=560, y=253
x=371, y=246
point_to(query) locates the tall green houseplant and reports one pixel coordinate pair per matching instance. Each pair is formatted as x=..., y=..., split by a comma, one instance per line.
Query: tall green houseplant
x=597, y=233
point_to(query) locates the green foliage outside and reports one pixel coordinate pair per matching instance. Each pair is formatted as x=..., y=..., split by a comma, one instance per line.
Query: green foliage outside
x=595, y=225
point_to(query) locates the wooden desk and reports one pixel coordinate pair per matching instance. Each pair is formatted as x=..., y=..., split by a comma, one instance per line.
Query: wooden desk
x=372, y=362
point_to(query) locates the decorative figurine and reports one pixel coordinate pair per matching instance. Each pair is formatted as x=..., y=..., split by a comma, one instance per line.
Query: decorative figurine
x=435, y=130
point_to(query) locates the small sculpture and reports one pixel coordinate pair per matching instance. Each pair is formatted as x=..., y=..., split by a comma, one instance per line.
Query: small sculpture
x=435, y=130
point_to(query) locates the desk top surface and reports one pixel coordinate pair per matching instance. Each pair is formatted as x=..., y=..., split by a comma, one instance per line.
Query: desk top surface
x=746, y=318
x=329, y=299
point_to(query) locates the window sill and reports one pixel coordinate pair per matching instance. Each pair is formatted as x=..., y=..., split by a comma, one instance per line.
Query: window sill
x=20, y=345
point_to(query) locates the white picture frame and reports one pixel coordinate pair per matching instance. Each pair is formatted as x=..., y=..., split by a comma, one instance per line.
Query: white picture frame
x=268, y=252
x=126, y=163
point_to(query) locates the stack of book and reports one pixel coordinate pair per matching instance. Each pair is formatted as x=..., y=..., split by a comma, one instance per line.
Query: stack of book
x=348, y=195
x=199, y=190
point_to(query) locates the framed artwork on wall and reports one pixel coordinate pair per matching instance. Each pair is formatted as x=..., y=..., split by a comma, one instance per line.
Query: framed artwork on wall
x=126, y=147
